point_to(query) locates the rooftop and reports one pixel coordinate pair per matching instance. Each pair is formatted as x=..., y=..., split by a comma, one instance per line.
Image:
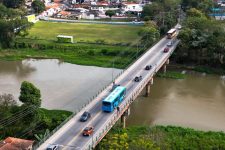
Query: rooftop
x=11, y=143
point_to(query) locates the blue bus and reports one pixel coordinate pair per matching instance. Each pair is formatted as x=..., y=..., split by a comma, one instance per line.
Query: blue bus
x=114, y=99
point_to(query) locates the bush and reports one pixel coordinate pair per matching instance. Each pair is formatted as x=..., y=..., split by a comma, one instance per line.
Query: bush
x=91, y=53
x=104, y=51
x=147, y=18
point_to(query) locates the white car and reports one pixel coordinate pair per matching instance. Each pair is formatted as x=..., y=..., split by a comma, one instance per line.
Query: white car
x=179, y=27
x=169, y=44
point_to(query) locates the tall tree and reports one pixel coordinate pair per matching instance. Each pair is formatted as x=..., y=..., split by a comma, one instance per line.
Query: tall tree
x=29, y=94
x=38, y=6
x=10, y=25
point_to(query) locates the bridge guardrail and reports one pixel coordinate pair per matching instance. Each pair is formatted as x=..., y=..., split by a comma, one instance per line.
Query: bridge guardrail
x=124, y=106
x=91, y=99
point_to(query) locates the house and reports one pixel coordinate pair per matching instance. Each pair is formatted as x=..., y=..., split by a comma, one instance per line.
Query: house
x=11, y=143
x=103, y=6
x=132, y=7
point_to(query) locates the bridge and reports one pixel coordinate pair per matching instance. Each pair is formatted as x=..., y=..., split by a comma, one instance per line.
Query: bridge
x=69, y=136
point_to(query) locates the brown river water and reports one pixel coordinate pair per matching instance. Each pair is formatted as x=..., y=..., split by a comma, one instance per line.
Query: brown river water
x=197, y=101
x=63, y=85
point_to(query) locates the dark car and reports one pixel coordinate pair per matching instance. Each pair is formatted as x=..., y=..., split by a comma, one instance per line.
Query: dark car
x=88, y=131
x=166, y=49
x=137, y=79
x=85, y=116
x=53, y=147
x=148, y=67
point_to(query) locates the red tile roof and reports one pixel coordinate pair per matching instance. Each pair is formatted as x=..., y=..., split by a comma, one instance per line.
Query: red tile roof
x=11, y=143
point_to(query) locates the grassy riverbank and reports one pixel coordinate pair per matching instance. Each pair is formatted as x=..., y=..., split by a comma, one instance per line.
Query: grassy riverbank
x=97, y=44
x=161, y=137
x=172, y=75
x=103, y=56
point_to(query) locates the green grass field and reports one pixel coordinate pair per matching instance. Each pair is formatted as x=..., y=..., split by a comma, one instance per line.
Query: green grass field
x=85, y=32
x=118, y=46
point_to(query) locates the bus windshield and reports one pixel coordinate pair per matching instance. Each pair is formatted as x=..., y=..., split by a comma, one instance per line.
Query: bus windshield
x=106, y=103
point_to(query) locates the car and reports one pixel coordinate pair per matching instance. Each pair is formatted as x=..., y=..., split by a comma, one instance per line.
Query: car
x=88, y=131
x=85, y=116
x=169, y=44
x=179, y=27
x=166, y=49
x=53, y=147
x=148, y=67
x=138, y=78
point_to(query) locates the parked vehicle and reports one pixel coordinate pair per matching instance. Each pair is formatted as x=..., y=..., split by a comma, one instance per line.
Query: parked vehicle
x=88, y=131
x=85, y=116
x=138, y=78
x=166, y=49
x=53, y=147
x=113, y=99
x=148, y=67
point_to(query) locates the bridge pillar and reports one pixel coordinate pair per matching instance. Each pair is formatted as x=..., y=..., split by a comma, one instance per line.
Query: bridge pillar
x=148, y=86
x=124, y=116
x=164, y=68
x=168, y=62
x=123, y=121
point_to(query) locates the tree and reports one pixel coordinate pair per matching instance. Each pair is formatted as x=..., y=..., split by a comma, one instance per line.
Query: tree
x=149, y=33
x=143, y=143
x=7, y=102
x=116, y=141
x=11, y=25
x=13, y=3
x=193, y=12
x=29, y=94
x=110, y=13
x=38, y=6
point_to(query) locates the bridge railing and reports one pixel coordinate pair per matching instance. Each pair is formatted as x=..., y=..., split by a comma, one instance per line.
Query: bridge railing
x=96, y=137
x=89, y=101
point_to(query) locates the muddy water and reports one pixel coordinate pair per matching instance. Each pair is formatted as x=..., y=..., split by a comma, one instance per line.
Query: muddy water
x=63, y=85
x=197, y=101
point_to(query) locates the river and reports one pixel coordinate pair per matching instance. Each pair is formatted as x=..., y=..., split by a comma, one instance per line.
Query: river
x=198, y=101
x=63, y=85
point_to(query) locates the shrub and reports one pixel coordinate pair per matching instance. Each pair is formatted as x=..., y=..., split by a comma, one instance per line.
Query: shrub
x=91, y=53
x=104, y=51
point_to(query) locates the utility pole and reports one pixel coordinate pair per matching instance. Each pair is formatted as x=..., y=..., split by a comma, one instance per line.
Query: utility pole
x=113, y=72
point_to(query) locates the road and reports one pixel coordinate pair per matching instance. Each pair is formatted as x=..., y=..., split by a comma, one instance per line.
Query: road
x=70, y=137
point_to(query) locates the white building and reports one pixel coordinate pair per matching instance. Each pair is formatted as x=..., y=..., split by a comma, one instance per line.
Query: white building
x=133, y=7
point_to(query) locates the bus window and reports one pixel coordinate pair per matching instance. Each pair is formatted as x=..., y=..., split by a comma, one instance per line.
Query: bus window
x=106, y=103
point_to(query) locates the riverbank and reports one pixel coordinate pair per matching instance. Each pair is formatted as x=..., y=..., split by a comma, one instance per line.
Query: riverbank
x=197, y=68
x=101, y=56
x=161, y=137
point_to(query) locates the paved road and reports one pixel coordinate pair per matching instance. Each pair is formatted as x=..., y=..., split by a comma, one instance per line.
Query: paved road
x=69, y=137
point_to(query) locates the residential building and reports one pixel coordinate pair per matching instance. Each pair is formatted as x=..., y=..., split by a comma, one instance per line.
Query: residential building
x=11, y=143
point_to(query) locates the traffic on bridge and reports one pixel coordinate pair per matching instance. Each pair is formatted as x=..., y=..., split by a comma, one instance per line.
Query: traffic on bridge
x=86, y=129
